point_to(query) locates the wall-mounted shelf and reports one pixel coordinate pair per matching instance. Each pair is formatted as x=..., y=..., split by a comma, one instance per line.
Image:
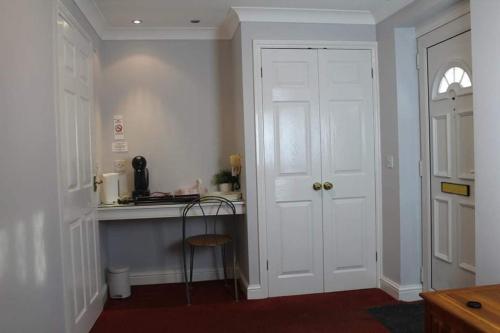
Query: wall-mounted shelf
x=131, y=212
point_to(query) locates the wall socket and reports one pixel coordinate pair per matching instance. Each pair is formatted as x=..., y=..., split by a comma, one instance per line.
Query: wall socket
x=389, y=161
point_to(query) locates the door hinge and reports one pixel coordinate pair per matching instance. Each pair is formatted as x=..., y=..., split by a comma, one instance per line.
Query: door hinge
x=421, y=168
x=372, y=72
x=376, y=256
x=417, y=60
x=267, y=264
x=261, y=72
x=421, y=275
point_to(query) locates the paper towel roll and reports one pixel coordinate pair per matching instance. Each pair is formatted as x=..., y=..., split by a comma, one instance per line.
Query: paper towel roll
x=110, y=188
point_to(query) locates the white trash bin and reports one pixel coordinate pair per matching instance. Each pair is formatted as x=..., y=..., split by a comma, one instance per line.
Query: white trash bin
x=118, y=283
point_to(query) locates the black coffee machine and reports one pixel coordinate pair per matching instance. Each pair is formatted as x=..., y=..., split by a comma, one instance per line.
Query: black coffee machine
x=141, y=177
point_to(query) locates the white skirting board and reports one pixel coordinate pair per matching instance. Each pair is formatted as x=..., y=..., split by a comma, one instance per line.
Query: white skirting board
x=177, y=276
x=253, y=291
x=406, y=293
x=104, y=293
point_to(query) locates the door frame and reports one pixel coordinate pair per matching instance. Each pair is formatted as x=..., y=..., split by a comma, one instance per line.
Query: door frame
x=258, y=45
x=449, y=30
x=59, y=9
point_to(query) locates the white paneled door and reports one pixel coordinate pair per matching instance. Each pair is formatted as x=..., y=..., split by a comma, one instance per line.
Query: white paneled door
x=293, y=164
x=319, y=169
x=452, y=161
x=80, y=241
x=348, y=155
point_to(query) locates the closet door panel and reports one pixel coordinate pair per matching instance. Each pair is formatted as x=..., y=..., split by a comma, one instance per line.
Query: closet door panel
x=292, y=155
x=347, y=146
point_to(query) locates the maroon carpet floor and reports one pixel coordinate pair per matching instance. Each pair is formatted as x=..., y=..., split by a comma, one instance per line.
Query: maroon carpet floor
x=162, y=308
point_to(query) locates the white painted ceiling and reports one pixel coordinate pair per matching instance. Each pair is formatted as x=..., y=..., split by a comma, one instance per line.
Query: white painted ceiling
x=178, y=13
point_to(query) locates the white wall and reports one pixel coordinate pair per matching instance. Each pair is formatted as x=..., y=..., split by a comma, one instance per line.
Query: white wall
x=391, y=230
x=31, y=292
x=30, y=260
x=176, y=98
x=275, y=31
x=238, y=123
x=399, y=138
x=401, y=227
x=486, y=79
x=409, y=155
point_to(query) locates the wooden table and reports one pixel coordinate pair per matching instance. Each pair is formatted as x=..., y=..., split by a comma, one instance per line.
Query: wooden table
x=447, y=311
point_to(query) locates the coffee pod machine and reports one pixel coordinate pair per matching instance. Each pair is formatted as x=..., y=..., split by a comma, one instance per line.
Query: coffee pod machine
x=141, y=177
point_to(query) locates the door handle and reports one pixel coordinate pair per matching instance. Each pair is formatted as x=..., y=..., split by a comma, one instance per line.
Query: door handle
x=327, y=186
x=96, y=182
x=317, y=186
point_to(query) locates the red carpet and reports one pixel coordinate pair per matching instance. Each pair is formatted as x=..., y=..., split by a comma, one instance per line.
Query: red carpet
x=161, y=308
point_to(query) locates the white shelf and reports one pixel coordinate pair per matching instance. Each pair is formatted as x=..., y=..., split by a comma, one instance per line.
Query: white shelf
x=131, y=212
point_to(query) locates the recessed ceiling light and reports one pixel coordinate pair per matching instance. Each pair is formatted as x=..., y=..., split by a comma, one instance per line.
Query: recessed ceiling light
x=195, y=21
x=137, y=21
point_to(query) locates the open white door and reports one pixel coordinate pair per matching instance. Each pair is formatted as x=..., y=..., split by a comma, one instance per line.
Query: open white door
x=451, y=129
x=80, y=241
x=348, y=155
x=292, y=157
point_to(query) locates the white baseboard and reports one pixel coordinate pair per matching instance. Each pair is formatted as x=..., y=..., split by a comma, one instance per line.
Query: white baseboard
x=253, y=291
x=175, y=276
x=406, y=293
x=104, y=293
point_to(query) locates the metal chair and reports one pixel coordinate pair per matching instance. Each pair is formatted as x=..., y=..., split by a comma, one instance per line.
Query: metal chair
x=207, y=239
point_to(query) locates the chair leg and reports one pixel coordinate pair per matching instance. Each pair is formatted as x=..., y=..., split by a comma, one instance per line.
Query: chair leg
x=188, y=294
x=234, y=273
x=191, y=266
x=223, y=249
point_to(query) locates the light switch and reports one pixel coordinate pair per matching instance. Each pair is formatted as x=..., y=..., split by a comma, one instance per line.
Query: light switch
x=389, y=161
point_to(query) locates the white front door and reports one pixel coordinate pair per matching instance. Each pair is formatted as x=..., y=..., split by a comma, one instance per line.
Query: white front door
x=293, y=164
x=348, y=155
x=318, y=128
x=80, y=241
x=452, y=162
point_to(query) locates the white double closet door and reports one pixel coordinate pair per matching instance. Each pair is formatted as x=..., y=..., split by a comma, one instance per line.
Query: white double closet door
x=319, y=129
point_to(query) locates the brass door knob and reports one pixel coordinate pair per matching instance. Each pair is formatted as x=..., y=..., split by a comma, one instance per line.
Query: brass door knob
x=317, y=186
x=327, y=186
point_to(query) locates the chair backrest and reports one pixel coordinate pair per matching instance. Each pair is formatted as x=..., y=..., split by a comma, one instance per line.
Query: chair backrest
x=205, y=203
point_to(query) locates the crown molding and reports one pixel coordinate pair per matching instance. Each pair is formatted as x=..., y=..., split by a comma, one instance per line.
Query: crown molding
x=93, y=14
x=230, y=24
x=234, y=17
x=303, y=15
x=162, y=33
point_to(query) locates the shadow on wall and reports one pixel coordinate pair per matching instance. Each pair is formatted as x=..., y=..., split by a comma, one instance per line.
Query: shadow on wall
x=176, y=100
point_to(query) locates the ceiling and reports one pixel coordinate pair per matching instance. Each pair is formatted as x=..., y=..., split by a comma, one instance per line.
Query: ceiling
x=212, y=13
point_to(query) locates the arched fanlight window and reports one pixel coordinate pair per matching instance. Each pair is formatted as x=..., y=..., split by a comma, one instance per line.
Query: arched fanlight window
x=455, y=75
x=452, y=80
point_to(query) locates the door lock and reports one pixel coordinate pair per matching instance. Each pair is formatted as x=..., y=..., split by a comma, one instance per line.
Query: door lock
x=317, y=186
x=327, y=186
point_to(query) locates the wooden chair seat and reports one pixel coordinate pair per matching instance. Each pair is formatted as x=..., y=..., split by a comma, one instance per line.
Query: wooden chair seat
x=208, y=240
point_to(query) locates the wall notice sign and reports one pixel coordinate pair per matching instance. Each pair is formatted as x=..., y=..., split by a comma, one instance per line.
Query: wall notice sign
x=119, y=147
x=118, y=128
